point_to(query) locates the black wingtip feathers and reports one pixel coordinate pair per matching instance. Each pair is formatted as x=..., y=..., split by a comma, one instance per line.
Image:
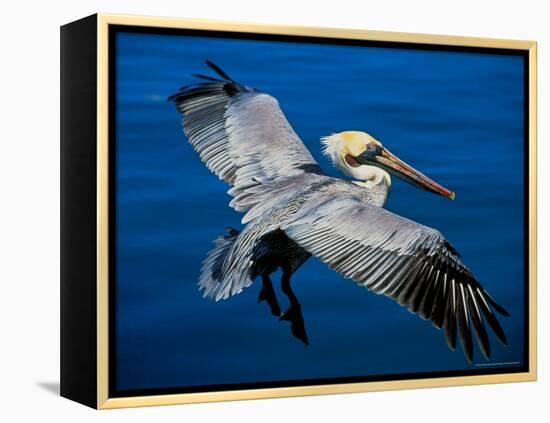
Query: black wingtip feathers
x=218, y=70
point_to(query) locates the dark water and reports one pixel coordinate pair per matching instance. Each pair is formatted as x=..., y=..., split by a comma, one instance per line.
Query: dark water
x=455, y=116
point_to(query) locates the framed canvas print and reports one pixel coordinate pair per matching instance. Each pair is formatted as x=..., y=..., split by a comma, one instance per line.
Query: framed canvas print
x=253, y=211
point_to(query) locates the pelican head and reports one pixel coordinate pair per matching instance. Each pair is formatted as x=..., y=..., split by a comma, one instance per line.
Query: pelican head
x=362, y=157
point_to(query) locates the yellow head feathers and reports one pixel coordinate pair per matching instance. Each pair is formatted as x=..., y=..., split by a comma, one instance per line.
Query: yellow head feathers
x=353, y=143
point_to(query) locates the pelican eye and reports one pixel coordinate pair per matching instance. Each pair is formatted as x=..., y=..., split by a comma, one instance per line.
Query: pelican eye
x=372, y=150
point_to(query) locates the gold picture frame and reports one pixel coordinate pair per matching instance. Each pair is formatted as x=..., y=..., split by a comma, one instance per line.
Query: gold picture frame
x=100, y=27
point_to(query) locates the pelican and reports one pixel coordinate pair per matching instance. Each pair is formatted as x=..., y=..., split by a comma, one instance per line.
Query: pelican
x=293, y=210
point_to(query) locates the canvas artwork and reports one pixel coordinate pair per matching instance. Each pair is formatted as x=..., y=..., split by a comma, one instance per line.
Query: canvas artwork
x=252, y=211
x=301, y=212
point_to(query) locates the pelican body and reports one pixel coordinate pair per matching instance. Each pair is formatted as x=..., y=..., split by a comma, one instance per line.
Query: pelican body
x=293, y=210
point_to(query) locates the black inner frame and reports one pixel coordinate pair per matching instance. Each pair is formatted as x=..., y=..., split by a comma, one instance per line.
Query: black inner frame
x=116, y=393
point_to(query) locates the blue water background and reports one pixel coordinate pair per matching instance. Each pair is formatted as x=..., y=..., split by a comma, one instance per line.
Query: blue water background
x=455, y=116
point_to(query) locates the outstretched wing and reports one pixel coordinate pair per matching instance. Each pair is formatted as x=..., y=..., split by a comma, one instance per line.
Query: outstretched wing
x=410, y=263
x=241, y=134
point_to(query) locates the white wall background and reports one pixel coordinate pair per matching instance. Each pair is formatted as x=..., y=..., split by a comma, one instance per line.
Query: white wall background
x=29, y=175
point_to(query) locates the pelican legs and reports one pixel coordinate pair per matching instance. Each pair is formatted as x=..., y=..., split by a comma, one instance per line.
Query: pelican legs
x=294, y=312
x=267, y=294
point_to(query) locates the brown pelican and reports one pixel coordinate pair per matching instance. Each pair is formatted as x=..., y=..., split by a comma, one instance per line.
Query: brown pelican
x=293, y=210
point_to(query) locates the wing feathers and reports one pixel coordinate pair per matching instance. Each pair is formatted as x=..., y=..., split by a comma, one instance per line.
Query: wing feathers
x=490, y=318
x=479, y=328
x=464, y=325
x=449, y=322
x=219, y=71
x=438, y=308
x=408, y=262
x=241, y=135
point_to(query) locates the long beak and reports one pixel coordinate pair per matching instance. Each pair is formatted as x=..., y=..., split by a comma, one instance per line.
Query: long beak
x=402, y=170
